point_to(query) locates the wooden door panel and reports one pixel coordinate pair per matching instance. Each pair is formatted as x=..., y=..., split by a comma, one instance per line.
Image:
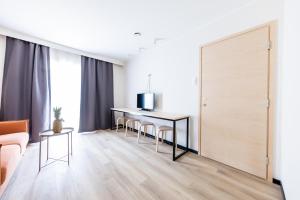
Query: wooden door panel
x=234, y=118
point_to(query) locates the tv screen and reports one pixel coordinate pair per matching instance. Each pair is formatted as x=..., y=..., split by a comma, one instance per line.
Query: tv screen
x=145, y=101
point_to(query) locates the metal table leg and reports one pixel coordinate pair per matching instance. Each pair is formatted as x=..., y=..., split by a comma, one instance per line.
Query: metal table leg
x=124, y=119
x=47, y=148
x=68, y=149
x=40, y=152
x=72, y=143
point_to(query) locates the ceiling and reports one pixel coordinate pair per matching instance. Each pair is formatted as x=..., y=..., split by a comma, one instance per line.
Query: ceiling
x=106, y=27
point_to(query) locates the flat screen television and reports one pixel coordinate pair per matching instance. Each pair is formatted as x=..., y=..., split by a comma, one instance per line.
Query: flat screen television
x=145, y=101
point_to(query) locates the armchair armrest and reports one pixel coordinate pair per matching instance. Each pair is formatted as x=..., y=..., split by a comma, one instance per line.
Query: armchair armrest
x=7, y=127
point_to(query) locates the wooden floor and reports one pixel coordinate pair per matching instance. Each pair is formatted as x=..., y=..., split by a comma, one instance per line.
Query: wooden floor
x=109, y=166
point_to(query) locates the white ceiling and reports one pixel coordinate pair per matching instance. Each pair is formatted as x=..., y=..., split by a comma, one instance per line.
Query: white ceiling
x=106, y=27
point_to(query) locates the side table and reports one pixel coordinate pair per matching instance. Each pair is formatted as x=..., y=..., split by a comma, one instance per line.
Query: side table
x=49, y=133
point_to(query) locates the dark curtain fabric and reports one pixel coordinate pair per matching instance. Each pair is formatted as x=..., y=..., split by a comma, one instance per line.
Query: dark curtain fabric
x=26, y=85
x=97, y=96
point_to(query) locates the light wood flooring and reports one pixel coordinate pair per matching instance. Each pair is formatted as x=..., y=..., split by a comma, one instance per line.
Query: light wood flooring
x=108, y=166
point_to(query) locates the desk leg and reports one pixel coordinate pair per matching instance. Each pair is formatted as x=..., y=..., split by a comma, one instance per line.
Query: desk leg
x=40, y=152
x=187, y=134
x=68, y=149
x=174, y=140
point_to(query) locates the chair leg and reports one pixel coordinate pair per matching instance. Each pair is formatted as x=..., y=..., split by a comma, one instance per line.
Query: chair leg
x=132, y=126
x=154, y=132
x=157, y=140
x=162, y=137
x=139, y=133
x=138, y=124
x=117, y=125
x=145, y=131
x=126, y=127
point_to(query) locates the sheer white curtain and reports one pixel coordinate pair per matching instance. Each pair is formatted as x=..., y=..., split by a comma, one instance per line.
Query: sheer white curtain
x=65, y=86
x=2, y=57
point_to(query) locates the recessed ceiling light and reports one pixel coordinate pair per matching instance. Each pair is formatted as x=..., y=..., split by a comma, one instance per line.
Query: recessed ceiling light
x=142, y=49
x=137, y=34
x=157, y=40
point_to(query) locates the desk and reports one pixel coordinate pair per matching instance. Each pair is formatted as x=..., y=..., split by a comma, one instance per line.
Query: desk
x=158, y=115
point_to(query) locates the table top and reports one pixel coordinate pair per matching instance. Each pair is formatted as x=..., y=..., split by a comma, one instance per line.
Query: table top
x=154, y=114
x=49, y=133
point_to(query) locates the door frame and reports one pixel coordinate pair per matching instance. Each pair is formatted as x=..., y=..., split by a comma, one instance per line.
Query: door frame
x=271, y=91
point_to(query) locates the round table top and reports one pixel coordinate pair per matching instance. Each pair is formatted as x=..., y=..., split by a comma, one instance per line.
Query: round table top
x=49, y=133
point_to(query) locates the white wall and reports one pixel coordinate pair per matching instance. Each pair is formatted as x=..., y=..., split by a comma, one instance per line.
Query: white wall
x=290, y=129
x=174, y=65
x=119, y=86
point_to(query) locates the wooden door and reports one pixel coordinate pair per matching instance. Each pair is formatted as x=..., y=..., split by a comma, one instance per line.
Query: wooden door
x=235, y=101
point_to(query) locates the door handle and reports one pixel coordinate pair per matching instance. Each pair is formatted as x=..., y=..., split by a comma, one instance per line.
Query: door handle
x=204, y=102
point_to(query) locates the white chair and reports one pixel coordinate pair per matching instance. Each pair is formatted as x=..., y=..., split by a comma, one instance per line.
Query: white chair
x=133, y=122
x=124, y=119
x=163, y=130
x=145, y=124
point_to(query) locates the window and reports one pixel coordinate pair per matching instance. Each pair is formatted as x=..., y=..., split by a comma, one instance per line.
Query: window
x=65, y=86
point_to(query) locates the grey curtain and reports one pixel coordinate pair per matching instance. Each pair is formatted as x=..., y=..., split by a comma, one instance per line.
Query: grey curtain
x=97, y=96
x=26, y=85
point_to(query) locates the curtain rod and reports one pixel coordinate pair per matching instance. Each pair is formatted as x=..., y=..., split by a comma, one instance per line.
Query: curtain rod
x=22, y=36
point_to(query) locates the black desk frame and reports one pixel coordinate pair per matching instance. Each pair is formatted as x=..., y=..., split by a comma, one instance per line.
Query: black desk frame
x=186, y=148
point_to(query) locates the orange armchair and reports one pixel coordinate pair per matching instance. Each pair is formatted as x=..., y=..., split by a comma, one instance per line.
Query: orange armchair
x=14, y=138
x=7, y=127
